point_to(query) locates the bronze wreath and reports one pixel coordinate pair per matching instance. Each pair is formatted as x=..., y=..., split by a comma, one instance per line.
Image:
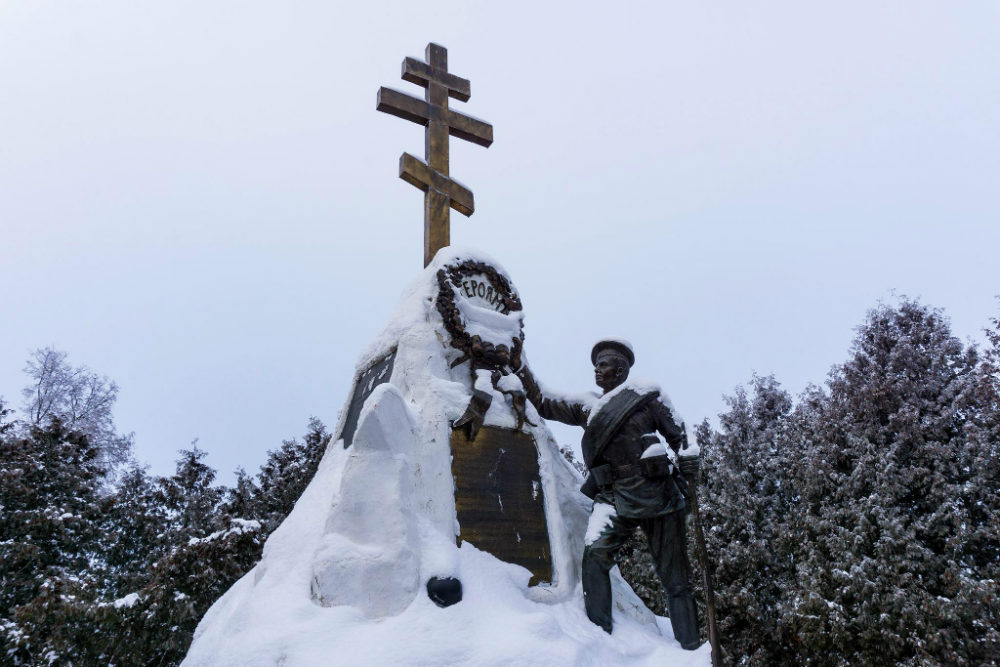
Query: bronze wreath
x=481, y=354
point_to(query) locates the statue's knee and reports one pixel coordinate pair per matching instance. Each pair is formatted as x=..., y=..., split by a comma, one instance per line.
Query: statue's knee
x=597, y=554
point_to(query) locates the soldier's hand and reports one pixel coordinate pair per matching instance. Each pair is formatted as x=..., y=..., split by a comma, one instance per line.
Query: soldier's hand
x=473, y=419
x=690, y=465
x=475, y=413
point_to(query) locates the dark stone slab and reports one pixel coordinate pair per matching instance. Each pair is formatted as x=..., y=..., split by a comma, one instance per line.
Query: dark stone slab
x=444, y=591
x=376, y=374
x=499, y=498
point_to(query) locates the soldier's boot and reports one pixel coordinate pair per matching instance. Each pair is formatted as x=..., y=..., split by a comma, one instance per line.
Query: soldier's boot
x=669, y=551
x=683, y=617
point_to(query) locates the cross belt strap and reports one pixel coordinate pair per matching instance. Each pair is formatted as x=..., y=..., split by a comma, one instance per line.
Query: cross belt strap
x=604, y=425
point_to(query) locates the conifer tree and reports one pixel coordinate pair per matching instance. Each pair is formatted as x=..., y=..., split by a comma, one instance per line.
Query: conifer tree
x=190, y=497
x=861, y=526
x=49, y=483
x=213, y=537
x=883, y=482
x=286, y=473
x=134, y=532
x=746, y=510
x=177, y=553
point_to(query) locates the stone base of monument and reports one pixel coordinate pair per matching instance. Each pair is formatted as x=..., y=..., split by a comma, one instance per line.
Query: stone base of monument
x=400, y=500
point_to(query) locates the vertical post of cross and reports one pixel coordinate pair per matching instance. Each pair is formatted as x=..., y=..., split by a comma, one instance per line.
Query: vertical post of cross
x=441, y=193
x=437, y=214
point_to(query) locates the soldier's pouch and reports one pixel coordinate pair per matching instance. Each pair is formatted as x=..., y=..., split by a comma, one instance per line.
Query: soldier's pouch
x=656, y=466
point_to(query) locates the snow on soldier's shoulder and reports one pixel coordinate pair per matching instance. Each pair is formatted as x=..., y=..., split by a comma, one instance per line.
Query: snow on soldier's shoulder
x=638, y=386
x=643, y=386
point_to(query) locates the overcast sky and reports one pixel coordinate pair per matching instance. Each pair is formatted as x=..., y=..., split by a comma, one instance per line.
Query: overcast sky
x=199, y=200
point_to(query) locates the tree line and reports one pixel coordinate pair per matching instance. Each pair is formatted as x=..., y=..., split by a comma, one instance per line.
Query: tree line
x=102, y=563
x=855, y=524
x=859, y=523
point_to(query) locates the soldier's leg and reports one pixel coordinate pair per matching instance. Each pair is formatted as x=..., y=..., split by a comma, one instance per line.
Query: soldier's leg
x=606, y=534
x=668, y=546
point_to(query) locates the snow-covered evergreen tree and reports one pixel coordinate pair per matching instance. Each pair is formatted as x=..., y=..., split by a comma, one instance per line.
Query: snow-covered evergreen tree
x=99, y=574
x=884, y=573
x=211, y=537
x=286, y=473
x=134, y=532
x=190, y=497
x=49, y=482
x=861, y=526
x=747, y=506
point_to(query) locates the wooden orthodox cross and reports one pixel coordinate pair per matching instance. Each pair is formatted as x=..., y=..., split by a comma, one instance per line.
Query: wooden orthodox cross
x=440, y=192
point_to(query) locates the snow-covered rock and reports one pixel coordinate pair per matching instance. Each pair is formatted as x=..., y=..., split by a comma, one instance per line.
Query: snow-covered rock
x=342, y=579
x=369, y=553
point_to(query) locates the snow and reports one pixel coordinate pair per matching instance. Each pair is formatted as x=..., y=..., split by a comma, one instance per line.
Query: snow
x=656, y=449
x=489, y=324
x=600, y=518
x=126, y=601
x=637, y=385
x=616, y=339
x=238, y=527
x=342, y=579
x=482, y=382
x=510, y=383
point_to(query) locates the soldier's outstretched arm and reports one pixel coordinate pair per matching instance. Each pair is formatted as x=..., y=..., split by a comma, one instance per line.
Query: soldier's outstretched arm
x=562, y=410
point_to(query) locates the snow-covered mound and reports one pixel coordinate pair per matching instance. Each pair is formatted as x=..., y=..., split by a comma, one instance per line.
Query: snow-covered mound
x=342, y=580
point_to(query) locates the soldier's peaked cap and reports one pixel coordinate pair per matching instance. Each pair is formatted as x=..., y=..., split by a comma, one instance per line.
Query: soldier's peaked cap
x=619, y=345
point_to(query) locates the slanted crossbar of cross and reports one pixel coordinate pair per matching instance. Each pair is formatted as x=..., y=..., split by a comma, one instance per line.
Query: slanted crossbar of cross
x=441, y=193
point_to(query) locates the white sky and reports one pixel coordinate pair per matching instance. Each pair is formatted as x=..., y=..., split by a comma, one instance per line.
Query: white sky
x=199, y=199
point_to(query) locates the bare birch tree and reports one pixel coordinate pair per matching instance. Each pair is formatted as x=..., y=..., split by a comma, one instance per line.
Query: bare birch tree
x=79, y=398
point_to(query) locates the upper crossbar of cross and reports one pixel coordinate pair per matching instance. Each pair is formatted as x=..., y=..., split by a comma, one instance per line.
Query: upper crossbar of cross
x=441, y=193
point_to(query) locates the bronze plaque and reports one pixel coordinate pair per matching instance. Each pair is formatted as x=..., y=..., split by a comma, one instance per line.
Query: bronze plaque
x=499, y=498
x=376, y=374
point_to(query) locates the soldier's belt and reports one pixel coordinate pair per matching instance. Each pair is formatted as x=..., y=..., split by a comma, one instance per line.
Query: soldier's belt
x=652, y=467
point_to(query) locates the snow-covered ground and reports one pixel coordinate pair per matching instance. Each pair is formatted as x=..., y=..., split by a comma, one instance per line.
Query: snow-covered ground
x=342, y=580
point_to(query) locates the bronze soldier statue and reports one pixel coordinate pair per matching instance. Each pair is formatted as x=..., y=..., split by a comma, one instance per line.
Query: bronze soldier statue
x=632, y=480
